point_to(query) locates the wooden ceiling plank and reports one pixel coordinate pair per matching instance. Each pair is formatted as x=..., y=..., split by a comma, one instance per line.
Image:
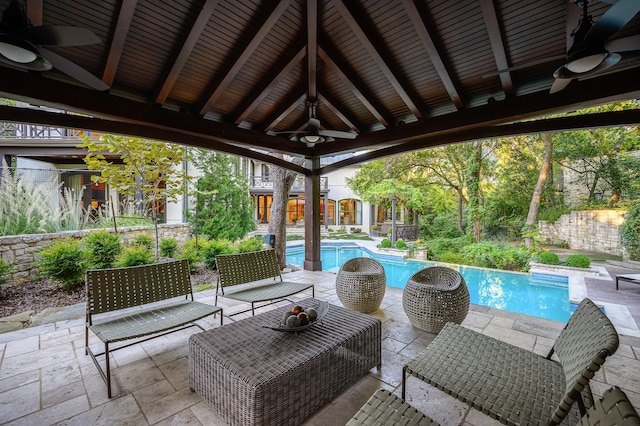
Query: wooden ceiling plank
x=312, y=49
x=434, y=54
x=330, y=103
x=127, y=9
x=247, y=51
x=497, y=45
x=268, y=85
x=281, y=115
x=353, y=87
x=377, y=57
x=180, y=60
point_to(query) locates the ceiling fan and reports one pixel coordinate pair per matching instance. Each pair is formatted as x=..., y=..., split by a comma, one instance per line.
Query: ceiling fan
x=313, y=134
x=592, y=52
x=21, y=45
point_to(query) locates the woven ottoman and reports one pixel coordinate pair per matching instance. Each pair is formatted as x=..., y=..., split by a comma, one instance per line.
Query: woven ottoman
x=434, y=296
x=360, y=284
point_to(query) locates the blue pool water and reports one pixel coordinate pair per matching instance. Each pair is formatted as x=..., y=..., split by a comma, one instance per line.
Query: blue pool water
x=540, y=296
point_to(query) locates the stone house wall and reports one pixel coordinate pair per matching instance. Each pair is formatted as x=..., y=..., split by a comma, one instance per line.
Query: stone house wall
x=21, y=250
x=590, y=230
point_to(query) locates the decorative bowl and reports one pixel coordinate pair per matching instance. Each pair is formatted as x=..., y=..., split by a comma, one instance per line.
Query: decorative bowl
x=321, y=308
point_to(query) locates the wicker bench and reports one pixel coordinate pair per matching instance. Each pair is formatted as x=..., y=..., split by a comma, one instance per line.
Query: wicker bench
x=162, y=292
x=259, y=271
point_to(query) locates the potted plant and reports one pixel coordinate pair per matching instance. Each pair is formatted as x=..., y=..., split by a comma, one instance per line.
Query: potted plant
x=374, y=230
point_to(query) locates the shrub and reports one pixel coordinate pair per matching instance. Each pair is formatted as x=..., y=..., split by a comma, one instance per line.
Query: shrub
x=401, y=244
x=375, y=227
x=436, y=247
x=5, y=270
x=630, y=232
x=497, y=256
x=548, y=258
x=249, y=244
x=386, y=243
x=102, y=248
x=577, y=261
x=191, y=252
x=214, y=248
x=168, y=247
x=64, y=262
x=135, y=255
x=144, y=240
x=451, y=257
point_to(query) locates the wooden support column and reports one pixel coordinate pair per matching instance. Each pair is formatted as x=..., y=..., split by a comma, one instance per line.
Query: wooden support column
x=312, y=253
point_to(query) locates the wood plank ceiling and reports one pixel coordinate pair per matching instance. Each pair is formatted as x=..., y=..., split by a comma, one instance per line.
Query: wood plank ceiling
x=402, y=75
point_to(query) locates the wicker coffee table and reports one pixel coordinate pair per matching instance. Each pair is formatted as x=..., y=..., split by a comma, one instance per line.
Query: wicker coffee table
x=252, y=375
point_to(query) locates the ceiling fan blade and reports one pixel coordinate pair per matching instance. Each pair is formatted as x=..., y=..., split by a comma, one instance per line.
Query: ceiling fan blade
x=613, y=19
x=58, y=35
x=573, y=22
x=626, y=44
x=559, y=84
x=73, y=70
x=313, y=125
x=337, y=134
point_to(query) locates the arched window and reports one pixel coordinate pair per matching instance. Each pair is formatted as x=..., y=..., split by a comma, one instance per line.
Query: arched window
x=331, y=218
x=350, y=212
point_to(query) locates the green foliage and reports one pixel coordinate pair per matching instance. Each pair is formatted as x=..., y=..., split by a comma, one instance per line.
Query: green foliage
x=223, y=207
x=144, y=240
x=191, y=252
x=213, y=248
x=168, y=247
x=5, y=270
x=548, y=258
x=345, y=236
x=401, y=244
x=135, y=255
x=577, y=261
x=630, y=232
x=386, y=243
x=552, y=214
x=102, y=248
x=497, y=256
x=375, y=227
x=451, y=257
x=249, y=245
x=64, y=262
x=438, y=246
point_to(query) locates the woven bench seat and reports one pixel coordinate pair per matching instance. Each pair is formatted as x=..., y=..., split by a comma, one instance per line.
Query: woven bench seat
x=257, y=275
x=514, y=385
x=386, y=409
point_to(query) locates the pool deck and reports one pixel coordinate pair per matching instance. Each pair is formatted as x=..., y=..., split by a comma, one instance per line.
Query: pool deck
x=45, y=377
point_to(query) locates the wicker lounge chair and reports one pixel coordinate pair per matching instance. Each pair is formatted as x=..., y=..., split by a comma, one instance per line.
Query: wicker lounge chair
x=514, y=385
x=361, y=283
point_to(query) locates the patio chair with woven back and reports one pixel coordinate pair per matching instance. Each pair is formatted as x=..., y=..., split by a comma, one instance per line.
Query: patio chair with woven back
x=512, y=384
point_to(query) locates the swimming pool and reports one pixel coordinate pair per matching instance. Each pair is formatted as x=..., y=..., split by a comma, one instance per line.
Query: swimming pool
x=541, y=296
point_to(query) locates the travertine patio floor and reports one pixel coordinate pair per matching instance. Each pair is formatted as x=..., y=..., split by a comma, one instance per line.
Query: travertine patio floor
x=45, y=377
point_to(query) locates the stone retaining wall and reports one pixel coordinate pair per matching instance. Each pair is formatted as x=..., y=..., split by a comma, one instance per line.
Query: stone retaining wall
x=21, y=249
x=590, y=230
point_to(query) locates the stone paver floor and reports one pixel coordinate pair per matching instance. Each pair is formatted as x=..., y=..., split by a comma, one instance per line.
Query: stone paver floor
x=45, y=377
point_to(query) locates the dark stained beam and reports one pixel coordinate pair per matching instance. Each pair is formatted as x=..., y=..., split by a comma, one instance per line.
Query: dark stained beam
x=39, y=90
x=288, y=108
x=600, y=90
x=576, y=122
x=185, y=51
x=247, y=51
x=127, y=9
x=434, y=53
x=497, y=45
x=25, y=115
x=268, y=84
x=34, y=12
x=312, y=50
x=353, y=87
x=377, y=57
x=330, y=103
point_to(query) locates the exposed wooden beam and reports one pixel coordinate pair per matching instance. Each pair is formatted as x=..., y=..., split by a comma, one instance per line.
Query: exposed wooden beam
x=185, y=51
x=289, y=107
x=127, y=9
x=330, y=103
x=588, y=121
x=434, y=54
x=312, y=49
x=497, y=45
x=268, y=84
x=34, y=12
x=353, y=86
x=25, y=115
x=247, y=51
x=377, y=57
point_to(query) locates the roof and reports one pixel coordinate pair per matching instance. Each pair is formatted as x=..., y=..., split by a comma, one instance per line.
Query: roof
x=402, y=75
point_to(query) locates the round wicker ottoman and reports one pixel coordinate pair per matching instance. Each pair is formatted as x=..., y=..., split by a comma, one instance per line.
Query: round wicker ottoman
x=434, y=296
x=360, y=284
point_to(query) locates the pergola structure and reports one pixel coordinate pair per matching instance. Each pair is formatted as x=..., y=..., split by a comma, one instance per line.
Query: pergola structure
x=369, y=77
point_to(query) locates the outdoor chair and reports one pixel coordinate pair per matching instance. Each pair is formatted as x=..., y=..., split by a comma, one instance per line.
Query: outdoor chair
x=434, y=296
x=515, y=385
x=360, y=284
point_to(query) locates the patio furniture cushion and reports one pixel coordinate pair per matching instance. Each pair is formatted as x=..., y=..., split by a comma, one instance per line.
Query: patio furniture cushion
x=515, y=385
x=361, y=283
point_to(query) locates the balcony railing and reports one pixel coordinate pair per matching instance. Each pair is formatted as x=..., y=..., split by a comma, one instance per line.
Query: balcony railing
x=31, y=131
x=265, y=182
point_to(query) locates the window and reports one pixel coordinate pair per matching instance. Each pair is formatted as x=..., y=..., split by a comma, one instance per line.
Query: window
x=350, y=212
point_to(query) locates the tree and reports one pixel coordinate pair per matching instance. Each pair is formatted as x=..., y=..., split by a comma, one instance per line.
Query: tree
x=223, y=206
x=532, y=217
x=473, y=188
x=150, y=168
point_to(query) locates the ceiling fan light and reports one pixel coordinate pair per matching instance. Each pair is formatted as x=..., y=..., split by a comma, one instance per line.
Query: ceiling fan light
x=17, y=53
x=312, y=139
x=586, y=63
x=21, y=54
